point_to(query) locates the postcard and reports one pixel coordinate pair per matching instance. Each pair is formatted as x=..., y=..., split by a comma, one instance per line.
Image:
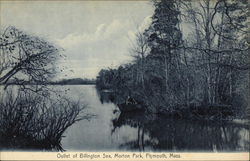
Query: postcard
x=124, y=80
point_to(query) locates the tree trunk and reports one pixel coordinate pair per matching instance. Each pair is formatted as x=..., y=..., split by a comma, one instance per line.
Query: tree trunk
x=166, y=73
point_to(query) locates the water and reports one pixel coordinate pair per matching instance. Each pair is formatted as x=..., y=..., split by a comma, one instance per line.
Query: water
x=115, y=131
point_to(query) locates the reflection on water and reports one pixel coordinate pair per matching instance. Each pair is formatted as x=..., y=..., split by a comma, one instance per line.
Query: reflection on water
x=111, y=130
x=182, y=135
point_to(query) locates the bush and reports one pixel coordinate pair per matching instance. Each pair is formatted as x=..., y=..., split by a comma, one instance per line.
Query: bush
x=29, y=120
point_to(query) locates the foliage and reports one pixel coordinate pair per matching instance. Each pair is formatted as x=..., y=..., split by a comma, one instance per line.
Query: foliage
x=208, y=67
x=74, y=81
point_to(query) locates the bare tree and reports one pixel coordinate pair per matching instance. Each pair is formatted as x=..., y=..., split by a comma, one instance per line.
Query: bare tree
x=219, y=45
x=140, y=51
x=25, y=59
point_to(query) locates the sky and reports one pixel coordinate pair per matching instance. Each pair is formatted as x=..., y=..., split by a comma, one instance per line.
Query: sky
x=92, y=34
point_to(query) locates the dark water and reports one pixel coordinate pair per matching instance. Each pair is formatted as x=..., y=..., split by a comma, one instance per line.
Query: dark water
x=115, y=131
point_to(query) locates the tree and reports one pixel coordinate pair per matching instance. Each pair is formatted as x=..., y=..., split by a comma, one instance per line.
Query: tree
x=25, y=59
x=164, y=38
x=207, y=67
x=140, y=51
x=219, y=45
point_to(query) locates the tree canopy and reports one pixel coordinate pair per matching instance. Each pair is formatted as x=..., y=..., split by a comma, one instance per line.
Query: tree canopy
x=25, y=58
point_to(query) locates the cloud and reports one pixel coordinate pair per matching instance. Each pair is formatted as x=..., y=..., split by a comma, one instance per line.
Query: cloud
x=94, y=34
x=145, y=23
x=141, y=28
x=89, y=52
x=107, y=45
x=103, y=32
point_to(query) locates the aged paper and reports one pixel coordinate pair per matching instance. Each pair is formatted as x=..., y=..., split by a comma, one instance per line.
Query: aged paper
x=124, y=80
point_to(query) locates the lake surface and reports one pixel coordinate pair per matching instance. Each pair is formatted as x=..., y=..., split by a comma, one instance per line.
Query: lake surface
x=115, y=131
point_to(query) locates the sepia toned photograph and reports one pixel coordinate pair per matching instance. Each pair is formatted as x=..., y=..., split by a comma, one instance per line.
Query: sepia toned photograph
x=124, y=76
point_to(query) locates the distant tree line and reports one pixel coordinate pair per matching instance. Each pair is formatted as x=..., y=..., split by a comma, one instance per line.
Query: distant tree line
x=209, y=66
x=74, y=81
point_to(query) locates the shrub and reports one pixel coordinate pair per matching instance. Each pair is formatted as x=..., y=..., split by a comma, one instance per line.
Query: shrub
x=29, y=120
